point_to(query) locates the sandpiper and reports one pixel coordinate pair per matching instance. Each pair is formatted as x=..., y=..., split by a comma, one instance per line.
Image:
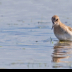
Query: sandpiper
x=61, y=31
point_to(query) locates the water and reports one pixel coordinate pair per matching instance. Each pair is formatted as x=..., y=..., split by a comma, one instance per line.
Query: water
x=26, y=38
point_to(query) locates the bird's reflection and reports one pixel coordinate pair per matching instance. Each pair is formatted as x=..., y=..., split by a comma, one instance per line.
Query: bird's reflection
x=62, y=50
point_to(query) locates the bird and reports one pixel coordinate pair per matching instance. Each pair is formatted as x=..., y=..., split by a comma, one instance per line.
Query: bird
x=61, y=31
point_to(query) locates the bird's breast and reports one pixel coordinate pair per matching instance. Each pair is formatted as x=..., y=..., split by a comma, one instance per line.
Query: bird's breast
x=61, y=34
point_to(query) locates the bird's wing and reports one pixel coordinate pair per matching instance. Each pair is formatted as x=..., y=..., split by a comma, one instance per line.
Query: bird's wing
x=69, y=28
x=65, y=28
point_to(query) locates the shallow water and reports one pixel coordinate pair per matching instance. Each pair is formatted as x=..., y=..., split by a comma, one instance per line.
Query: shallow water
x=26, y=38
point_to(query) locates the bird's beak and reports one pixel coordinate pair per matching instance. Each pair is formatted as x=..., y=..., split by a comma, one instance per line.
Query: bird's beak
x=52, y=27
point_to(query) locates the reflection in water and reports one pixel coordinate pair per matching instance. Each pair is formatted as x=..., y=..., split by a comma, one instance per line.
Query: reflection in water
x=62, y=51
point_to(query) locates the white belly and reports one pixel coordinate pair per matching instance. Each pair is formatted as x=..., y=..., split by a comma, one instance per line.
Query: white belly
x=64, y=37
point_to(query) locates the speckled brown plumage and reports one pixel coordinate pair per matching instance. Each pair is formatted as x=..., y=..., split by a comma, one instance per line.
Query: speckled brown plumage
x=61, y=31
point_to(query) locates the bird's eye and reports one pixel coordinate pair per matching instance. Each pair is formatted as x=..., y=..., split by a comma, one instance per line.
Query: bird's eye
x=56, y=19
